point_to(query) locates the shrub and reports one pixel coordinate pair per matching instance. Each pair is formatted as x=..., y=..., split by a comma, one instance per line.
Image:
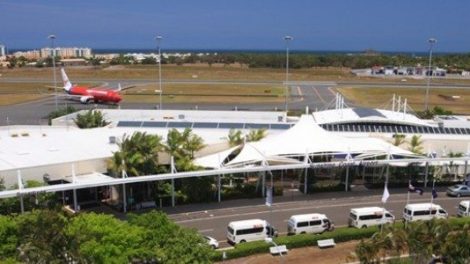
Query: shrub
x=303, y=240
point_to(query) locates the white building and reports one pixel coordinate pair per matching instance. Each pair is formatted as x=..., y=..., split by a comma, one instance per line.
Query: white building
x=3, y=51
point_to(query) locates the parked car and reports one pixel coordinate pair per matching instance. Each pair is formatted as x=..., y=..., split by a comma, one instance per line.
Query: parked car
x=309, y=223
x=369, y=216
x=458, y=190
x=423, y=211
x=212, y=242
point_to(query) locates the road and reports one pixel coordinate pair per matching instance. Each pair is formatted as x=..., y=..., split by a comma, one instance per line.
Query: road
x=212, y=219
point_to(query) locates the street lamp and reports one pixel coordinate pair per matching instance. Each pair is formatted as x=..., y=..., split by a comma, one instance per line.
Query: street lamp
x=431, y=42
x=270, y=240
x=159, y=39
x=52, y=38
x=287, y=39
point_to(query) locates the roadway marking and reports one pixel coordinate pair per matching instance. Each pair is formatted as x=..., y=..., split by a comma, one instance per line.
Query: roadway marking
x=318, y=94
x=280, y=204
x=299, y=208
x=299, y=91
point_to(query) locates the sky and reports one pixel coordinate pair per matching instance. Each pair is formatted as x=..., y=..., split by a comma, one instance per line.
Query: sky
x=383, y=25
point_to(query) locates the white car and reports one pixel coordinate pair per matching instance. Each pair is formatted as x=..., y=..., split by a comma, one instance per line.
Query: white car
x=212, y=242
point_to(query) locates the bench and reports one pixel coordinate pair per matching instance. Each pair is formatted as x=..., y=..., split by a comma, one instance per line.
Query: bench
x=281, y=249
x=326, y=243
x=149, y=204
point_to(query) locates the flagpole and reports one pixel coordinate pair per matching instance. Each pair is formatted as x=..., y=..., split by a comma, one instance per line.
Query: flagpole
x=432, y=197
x=432, y=192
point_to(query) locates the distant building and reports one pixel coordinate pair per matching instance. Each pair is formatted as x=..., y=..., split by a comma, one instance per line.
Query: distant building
x=30, y=54
x=66, y=52
x=3, y=50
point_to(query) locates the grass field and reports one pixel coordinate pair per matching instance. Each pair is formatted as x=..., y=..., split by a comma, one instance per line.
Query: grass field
x=379, y=96
x=196, y=72
x=14, y=93
x=206, y=93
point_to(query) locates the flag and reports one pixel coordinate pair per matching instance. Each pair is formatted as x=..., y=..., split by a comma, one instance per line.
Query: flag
x=269, y=196
x=385, y=195
x=411, y=188
x=434, y=193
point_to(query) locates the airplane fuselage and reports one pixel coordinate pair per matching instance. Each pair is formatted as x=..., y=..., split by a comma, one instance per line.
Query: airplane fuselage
x=96, y=95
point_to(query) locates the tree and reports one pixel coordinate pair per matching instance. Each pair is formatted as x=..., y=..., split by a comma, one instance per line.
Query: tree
x=182, y=146
x=256, y=135
x=416, y=144
x=137, y=155
x=91, y=119
x=235, y=137
x=172, y=243
x=398, y=139
x=41, y=237
x=8, y=237
x=100, y=238
x=420, y=240
x=149, y=60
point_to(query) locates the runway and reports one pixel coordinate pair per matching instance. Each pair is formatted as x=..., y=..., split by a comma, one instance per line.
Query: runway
x=315, y=96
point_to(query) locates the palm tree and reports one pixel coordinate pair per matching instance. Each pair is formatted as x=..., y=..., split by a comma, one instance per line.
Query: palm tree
x=91, y=119
x=137, y=155
x=235, y=137
x=398, y=139
x=182, y=147
x=256, y=135
x=416, y=145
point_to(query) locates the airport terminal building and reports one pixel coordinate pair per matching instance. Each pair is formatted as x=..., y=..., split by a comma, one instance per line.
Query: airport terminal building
x=345, y=145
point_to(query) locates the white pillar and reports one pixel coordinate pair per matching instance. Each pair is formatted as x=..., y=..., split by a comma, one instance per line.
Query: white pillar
x=426, y=172
x=74, y=180
x=75, y=201
x=173, y=170
x=263, y=184
x=465, y=170
x=21, y=203
x=218, y=188
x=20, y=187
x=306, y=181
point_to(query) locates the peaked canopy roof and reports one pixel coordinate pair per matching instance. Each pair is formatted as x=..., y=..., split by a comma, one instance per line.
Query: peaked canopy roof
x=307, y=137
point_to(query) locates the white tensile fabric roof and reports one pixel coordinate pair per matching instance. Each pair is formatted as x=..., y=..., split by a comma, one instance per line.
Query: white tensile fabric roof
x=308, y=137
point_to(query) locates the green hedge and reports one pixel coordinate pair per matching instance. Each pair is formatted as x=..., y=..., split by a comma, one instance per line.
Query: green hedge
x=303, y=240
x=341, y=234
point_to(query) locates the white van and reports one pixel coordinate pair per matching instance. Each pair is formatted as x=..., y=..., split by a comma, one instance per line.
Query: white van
x=464, y=209
x=369, y=216
x=423, y=211
x=308, y=223
x=249, y=230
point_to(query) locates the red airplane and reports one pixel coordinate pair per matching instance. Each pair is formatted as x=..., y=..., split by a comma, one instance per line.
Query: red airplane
x=87, y=94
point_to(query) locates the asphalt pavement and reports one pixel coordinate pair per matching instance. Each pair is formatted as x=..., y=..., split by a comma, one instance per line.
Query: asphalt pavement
x=212, y=219
x=315, y=96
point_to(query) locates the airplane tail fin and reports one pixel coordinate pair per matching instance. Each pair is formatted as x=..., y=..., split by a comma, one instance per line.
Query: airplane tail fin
x=67, y=84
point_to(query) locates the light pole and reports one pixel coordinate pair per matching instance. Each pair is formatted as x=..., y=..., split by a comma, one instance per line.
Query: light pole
x=287, y=39
x=159, y=39
x=431, y=42
x=52, y=38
